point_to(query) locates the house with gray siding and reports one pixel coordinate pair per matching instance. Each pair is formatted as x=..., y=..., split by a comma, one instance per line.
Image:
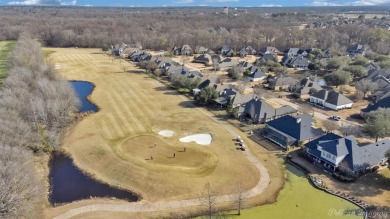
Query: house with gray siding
x=344, y=153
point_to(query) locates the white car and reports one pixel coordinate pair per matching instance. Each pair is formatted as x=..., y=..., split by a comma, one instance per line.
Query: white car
x=337, y=118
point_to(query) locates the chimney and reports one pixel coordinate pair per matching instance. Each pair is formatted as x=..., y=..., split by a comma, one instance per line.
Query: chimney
x=299, y=120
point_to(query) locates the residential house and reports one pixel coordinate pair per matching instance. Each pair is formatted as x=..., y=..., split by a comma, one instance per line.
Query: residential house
x=227, y=63
x=205, y=59
x=356, y=49
x=269, y=50
x=226, y=51
x=335, y=152
x=371, y=66
x=305, y=86
x=140, y=56
x=163, y=63
x=207, y=82
x=299, y=62
x=247, y=50
x=281, y=82
x=128, y=51
x=326, y=54
x=259, y=111
x=302, y=52
x=291, y=130
x=118, y=48
x=266, y=57
x=384, y=102
x=331, y=100
x=292, y=51
x=381, y=77
x=184, y=50
x=177, y=70
x=240, y=99
x=225, y=96
x=245, y=65
x=203, y=50
x=256, y=74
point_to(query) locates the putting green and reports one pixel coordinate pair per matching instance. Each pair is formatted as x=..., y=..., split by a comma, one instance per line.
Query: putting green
x=299, y=199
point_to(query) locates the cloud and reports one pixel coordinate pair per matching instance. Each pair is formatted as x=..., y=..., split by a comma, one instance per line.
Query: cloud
x=43, y=2
x=270, y=5
x=184, y=1
x=371, y=2
x=324, y=3
x=350, y=3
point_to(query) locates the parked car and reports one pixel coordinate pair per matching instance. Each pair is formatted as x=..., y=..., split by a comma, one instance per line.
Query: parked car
x=336, y=118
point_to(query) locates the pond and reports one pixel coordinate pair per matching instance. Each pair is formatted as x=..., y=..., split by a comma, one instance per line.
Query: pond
x=83, y=90
x=67, y=182
x=299, y=199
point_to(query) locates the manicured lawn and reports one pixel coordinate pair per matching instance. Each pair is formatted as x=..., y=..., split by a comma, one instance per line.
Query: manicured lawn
x=386, y=172
x=299, y=199
x=116, y=144
x=5, y=48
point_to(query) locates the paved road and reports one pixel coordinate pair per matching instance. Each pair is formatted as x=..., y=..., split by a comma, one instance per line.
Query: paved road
x=145, y=206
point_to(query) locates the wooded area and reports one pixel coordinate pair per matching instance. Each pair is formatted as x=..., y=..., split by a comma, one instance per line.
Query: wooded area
x=36, y=107
x=163, y=28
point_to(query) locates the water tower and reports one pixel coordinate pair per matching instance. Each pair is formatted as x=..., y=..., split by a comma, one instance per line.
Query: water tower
x=226, y=10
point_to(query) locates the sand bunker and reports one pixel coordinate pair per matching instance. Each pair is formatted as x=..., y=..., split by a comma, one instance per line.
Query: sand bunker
x=166, y=133
x=202, y=139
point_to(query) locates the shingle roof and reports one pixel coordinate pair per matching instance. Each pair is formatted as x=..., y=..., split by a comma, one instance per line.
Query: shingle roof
x=256, y=73
x=292, y=51
x=305, y=85
x=365, y=156
x=298, y=61
x=332, y=97
x=312, y=145
x=356, y=156
x=382, y=103
x=241, y=98
x=269, y=49
x=336, y=147
x=299, y=127
x=259, y=109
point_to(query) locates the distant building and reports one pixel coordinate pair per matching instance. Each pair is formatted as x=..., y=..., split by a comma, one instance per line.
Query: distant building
x=356, y=49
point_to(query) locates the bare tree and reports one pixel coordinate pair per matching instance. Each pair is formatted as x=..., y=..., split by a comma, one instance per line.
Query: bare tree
x=304, y=109
x=21, y=193
x=208, y=199
x=215, y=64
x=330, y=125
x=348, y=129
x=366, y=86
x=241, y=85
x=238, y=197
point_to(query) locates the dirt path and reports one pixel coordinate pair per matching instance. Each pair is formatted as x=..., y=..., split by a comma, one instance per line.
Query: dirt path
x=145, y=206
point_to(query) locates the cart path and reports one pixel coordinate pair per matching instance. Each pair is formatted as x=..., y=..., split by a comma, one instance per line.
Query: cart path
x=145, y=206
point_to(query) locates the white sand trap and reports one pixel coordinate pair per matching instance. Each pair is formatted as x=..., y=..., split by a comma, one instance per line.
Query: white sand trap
x=166, y=133
x=202, y=139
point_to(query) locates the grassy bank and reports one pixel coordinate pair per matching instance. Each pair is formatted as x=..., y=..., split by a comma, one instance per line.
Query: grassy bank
x=5, y=48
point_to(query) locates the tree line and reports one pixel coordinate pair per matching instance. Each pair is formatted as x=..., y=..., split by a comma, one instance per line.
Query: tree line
x=36, y=107
x=161, y=29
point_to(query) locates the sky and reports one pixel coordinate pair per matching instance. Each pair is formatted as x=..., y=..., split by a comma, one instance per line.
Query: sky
x=215, y=3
